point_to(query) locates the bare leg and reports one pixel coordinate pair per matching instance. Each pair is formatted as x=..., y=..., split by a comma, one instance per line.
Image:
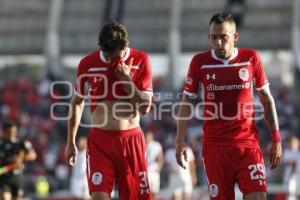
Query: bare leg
x=256, y=196
x=100, y=196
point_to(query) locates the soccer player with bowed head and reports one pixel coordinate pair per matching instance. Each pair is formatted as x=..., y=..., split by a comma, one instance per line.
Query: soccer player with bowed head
x=120, y=90
x=231, y=151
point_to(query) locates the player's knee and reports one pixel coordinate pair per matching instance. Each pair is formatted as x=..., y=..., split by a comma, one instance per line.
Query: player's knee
x=256, y=196
x=99, y=196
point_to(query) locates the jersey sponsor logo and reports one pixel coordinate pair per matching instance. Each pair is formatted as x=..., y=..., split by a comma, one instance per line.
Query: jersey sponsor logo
x=213, y=190
x=210, y=95
x=97, y=178
x=212, y=87
x=244, y=74
x=210, y=76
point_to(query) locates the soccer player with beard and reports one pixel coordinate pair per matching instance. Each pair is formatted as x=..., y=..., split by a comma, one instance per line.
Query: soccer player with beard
x=231, y=151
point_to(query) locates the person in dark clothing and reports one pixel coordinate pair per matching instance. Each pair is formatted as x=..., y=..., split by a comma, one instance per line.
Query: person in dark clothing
x=13, y=154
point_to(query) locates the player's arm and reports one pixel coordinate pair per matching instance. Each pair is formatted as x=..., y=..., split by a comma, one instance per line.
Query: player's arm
x=30, y=153
x=75, y=113
x=185, y=111
x=270, y=113
x=141, y=100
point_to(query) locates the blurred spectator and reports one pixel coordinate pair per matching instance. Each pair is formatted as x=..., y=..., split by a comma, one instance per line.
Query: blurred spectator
x=181, y=181
x=155, y=159
x=78, y=184
x=13, y=154
x=292, y=171
x=114, y=10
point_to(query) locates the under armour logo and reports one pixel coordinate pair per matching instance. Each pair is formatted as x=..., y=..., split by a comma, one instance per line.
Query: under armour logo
x=147, y=191
x=97, y=79
x=209, y=76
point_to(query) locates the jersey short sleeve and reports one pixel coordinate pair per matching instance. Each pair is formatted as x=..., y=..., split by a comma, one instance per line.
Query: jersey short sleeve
x=81, y=78
x=260, y=76
x=144, y=81
x=191, y=85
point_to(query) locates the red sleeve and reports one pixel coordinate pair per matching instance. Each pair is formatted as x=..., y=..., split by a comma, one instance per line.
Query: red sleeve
x=144, y=82
x=260, y=76
x=81, y=79
x=191, y=85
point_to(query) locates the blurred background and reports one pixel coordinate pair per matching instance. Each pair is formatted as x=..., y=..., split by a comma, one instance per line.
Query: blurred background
x=42, y=41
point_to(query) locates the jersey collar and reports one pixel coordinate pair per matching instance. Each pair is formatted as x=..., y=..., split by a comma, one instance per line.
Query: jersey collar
x=225, y=61
x=102, y=57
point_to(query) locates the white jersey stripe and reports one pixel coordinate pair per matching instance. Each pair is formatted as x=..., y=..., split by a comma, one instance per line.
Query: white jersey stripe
x=193, y=95
x=97, y=69
x=263, y=87
x=228, y=65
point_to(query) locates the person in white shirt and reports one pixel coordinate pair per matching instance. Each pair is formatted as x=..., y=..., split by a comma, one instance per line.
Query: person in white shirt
x=181, y=181
x=78, y=183
x=291, y=176
x=155, y=159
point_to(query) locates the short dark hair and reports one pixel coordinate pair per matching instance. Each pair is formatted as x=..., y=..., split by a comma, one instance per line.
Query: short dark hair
x=8, y=124
x=113, y=36
x=220, y=18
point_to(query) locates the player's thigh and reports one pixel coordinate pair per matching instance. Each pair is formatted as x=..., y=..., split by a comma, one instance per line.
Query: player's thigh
x=219, y=171
x=132, y=177
x=5, y=195
x=251, y=176
x=100, y=169
x=256, y=196
x=99, y=196
x=17, y=185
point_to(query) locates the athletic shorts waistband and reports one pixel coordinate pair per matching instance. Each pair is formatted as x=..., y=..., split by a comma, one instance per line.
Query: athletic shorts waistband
x=128, y=132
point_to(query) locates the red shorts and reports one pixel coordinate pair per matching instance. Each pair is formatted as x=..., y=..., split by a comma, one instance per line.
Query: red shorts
x=118, y=157
x=225, y=165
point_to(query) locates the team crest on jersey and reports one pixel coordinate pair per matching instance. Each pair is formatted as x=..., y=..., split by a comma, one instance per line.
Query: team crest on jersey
x=97, y=178
x=213, y=190
x=244, y=74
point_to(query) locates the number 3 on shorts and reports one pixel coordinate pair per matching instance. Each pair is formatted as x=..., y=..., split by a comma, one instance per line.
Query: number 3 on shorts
x=144, y=179
x=257, y=171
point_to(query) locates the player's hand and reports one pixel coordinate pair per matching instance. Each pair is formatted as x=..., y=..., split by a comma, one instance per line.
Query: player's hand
x=275, y=154
x=181, y=153
x=122, y=71
x=70, y=154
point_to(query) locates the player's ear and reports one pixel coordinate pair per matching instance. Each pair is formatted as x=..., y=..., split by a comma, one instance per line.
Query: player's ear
x=236, y=37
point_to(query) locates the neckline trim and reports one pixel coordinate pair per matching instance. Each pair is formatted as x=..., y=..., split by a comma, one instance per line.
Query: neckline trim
x=103, y=59
x=225, y=61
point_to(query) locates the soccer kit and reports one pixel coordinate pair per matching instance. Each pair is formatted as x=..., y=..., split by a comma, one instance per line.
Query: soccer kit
x=231, y=150
x=115, y=156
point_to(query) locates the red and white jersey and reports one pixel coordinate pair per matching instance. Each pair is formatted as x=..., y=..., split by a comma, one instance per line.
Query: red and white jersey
x=228, y=96
x=95, y=71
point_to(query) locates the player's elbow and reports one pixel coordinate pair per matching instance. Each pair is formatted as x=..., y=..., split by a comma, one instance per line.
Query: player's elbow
x=144, y=108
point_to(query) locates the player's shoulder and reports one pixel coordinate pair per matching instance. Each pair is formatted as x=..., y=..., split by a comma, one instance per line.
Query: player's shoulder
x=90, y=57
x=202, y=55
x=247, y=52
x=138, y=53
